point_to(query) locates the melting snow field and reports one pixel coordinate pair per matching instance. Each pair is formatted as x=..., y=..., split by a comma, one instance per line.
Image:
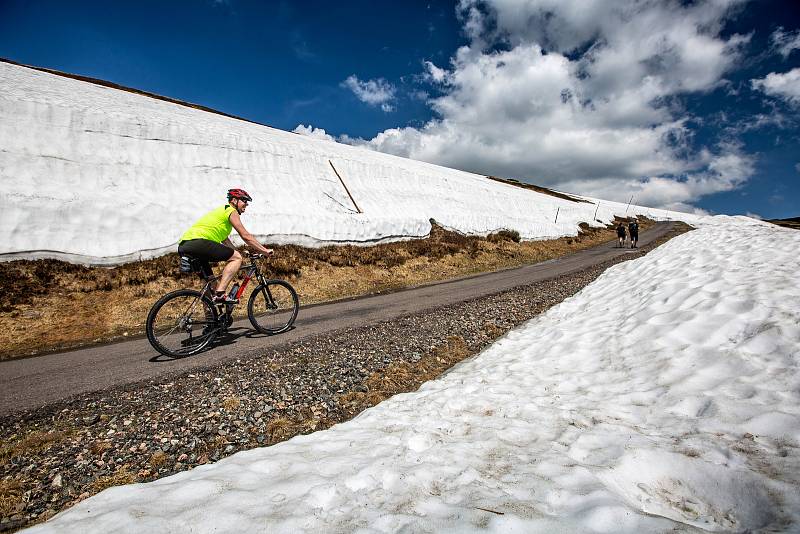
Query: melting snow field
x=663, y=397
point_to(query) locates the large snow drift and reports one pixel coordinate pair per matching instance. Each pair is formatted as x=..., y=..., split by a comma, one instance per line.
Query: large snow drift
x=98, y=175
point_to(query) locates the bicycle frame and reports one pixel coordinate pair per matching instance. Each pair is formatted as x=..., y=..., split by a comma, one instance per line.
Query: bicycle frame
x=252, y=271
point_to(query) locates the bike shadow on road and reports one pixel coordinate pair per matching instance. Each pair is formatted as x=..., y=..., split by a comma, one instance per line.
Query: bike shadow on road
x=228, y=338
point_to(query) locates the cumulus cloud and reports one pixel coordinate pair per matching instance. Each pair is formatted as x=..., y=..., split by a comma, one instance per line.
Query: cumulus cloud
x=725, y=169
x=583, y=96
x=785, y=42
x=316, y=133
x=376, y=92
x=785, y=85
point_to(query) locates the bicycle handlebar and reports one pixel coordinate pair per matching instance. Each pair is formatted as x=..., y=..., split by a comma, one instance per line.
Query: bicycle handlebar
x=255, y=255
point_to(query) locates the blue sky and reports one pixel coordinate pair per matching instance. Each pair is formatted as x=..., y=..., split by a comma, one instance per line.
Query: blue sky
x=686, y=105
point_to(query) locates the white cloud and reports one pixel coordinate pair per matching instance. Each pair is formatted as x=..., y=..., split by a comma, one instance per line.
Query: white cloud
x=376, y=92
x=320, y=133
x=754, y=216
x=785, y=42
x=725, y=170
x=434, y=73
x=784, y=85
x=316, y=133
x=420, y=95
x=797, y=167
x=580, y=95
x=757, y=121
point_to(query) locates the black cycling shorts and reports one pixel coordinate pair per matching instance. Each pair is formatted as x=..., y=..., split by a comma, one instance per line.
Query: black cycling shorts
x=205, y=250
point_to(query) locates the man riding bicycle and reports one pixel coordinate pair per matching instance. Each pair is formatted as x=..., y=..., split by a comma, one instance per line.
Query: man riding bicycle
x=207, y=240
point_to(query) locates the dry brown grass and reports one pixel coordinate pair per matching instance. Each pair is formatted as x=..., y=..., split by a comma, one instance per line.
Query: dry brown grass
x=10, y=496
x=793, y=222
x=491, y=330
x=119, y=478
x=231, y=404
x=157, y=459
x=100, y=446
x=49, y=304
x=31, y=443
x=280, y=429
x=538, y=189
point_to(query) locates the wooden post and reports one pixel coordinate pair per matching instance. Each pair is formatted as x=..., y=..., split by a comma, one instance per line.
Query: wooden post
x=629, y=205
x=595, y=211
x=345, y=187
x=558, y=208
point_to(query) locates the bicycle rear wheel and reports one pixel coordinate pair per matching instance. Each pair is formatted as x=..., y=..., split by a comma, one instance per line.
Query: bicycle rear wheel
x=273, y=307
x=181, y=323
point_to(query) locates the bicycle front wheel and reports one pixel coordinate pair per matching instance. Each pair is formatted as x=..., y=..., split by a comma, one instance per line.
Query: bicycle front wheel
x=273, y=307
x=181, y=323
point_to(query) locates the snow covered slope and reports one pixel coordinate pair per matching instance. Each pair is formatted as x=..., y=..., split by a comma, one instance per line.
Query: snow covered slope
x=98, y=175
x=664, y=397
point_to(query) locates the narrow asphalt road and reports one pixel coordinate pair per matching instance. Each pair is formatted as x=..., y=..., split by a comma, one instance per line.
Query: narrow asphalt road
x=33, y=382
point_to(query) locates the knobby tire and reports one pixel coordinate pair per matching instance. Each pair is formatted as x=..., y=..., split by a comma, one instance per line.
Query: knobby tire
x=272, y=307
x=186, y=328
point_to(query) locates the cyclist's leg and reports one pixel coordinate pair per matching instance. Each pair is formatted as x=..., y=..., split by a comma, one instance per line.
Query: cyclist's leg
x=230, y=270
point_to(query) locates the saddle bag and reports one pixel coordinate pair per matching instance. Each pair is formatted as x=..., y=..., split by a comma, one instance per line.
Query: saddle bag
x=189, y=264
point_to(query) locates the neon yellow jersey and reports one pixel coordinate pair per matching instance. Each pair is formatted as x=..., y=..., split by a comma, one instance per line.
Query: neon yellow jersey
x=214, y=226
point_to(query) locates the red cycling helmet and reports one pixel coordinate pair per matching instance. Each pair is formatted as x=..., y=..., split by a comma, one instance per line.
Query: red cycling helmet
x=240, y=194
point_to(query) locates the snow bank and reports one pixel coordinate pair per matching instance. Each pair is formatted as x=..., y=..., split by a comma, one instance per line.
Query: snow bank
x=664, y=396
x=97, y=175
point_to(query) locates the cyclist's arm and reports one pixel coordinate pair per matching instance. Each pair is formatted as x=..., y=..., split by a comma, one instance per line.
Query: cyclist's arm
x=246, y=236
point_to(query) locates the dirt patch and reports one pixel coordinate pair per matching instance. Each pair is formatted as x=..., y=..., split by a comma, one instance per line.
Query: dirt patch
x=792, y=222
x=51, y=305
x=538, y=189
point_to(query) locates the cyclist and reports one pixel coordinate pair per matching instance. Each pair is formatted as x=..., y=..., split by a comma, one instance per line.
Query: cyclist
x=207, y=240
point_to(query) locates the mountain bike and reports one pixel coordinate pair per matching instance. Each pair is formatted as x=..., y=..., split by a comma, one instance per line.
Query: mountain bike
x=186, y=321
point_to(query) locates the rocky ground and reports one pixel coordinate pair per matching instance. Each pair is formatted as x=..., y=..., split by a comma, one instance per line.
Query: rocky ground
x=52, y=457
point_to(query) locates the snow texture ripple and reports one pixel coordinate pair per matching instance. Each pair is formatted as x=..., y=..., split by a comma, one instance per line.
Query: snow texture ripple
x=663, y=397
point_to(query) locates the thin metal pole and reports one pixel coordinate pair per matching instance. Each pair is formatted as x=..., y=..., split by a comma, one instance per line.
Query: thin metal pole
x=557, y=214
x=345, y=187
x=595, y=211
x=629, y=205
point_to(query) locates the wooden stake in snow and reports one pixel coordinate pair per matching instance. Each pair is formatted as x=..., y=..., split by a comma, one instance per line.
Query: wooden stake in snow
x=558, y=208
x=595, y=211
x=629, y=205
x=345, y=187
